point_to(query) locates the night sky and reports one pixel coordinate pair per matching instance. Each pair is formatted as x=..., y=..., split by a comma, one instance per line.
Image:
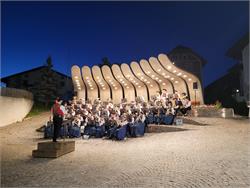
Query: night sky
x=83, y=33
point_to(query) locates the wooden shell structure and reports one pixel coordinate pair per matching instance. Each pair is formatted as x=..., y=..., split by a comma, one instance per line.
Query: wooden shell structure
x=137, y=79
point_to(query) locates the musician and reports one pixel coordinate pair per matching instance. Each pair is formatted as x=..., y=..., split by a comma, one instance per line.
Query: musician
x=158, y=96
x=170, y=109
x=186, y=106
x=176, y=95
x=164, y=95
x=77, y=120
x=57, y=114
x=183, y=96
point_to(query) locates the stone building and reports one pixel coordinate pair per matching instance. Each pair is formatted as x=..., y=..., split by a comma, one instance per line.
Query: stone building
x=240, y=52
x=30, y=78
x=232, y=89
x=225, y=87
x=186, y=59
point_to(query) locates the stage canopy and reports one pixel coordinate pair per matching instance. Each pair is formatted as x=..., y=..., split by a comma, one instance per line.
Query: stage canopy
x=139, y=79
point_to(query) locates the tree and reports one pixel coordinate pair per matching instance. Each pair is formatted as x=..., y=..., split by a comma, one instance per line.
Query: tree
x=46, y=90
x=49, y=62
x=105, y=61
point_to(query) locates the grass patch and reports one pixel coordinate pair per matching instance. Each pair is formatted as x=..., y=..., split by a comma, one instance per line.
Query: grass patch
x=37, y=109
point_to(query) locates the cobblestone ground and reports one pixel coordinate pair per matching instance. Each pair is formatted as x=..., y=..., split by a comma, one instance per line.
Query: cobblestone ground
x=216, y=155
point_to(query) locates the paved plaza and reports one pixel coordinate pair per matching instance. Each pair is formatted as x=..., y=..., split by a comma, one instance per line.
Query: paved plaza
x=215, y=155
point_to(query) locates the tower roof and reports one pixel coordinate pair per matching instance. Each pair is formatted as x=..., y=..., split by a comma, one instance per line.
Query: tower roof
x=183, y=49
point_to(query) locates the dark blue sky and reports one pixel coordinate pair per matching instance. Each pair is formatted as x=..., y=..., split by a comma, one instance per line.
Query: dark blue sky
x=83, y=33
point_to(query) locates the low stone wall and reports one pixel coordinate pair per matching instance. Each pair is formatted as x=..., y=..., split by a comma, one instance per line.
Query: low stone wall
x=153, y=128
x=212, y=111
x=15, y=104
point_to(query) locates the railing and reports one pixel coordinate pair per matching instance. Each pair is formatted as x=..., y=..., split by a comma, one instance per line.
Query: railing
x=18, y=93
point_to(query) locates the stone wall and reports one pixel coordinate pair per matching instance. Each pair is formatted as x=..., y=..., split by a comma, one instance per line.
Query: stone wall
x=212, y=111
x=15, y=104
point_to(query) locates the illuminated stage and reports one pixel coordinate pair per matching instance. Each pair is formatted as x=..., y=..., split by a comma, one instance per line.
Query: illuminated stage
x=142, y=79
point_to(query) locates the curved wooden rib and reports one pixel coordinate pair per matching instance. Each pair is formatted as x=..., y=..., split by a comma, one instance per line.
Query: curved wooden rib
x=78, y=83
x=105, y=94
x=163, y=82
x=141, y=89
x=116, y=88
x=92, y=89
x=152, y=85
x=178, y=83
x=188, y=77
x=129, y=91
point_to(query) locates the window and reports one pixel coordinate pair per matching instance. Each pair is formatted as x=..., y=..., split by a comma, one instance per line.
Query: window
x=62, y=84
x=25, y=83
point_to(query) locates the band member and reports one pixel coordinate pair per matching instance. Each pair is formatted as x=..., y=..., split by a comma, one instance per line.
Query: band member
x=164, y=94
x=158, y=96
x=57, y=114
x=186, y=106
x=176, y=95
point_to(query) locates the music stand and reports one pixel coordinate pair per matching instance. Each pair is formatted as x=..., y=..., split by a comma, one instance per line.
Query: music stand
x=195, y=88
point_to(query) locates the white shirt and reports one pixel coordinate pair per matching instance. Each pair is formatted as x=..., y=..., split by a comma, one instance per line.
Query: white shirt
x=63, y=109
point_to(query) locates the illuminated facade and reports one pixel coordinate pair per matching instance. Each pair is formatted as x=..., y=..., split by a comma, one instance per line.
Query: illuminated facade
x=143, y=78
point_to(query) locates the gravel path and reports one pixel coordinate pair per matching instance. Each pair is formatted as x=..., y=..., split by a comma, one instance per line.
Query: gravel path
x=216, y=155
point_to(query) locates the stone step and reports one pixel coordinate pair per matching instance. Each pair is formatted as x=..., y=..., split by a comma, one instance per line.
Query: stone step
x=45, y=154
x=53, y=149
x=153, y=128
x=55, y=145
x=212, y=112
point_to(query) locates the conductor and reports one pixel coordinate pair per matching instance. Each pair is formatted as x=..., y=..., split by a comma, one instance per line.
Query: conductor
x=57, y=114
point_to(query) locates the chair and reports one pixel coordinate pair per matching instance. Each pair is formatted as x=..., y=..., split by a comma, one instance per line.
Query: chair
x=111, y=132
x=157, y=119
x=100, y=131
x=167, y=119
x=74, y=132
x=63, y=131
x=49, y=130
x=150, y=119
x=121, y=133
x=137, y=129
x=90, y=130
